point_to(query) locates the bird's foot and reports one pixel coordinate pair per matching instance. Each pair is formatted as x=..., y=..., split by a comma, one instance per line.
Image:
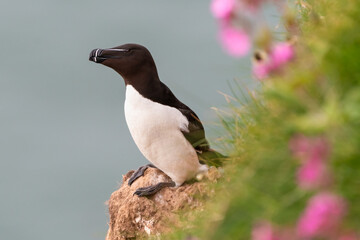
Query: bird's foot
x=151, y=190
x=139, y=173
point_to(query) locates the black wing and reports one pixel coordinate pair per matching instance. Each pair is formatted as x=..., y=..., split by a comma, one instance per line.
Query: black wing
x=196, y=136
x=196, y=133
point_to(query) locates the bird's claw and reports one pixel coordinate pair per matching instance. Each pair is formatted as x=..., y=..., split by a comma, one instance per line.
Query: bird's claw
x=139, y=173
x=151, y=190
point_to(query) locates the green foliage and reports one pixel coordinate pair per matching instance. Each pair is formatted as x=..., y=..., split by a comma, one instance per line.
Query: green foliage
x=317, y=95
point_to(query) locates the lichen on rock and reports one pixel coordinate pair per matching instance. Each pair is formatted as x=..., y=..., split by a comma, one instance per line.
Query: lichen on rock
x=133, y=217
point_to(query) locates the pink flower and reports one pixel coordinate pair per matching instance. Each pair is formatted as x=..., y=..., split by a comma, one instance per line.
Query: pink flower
x=313, y=174
x=264, y=231
x=235, y=41
x=279, y=55
x=222, y=8
x=349, y=236
x=261, y=70
x=322, y=216
x=313, y=153
x=300, y=145
x=309, y=147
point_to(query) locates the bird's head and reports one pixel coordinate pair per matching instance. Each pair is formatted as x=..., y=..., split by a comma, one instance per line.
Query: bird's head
x=129, y=60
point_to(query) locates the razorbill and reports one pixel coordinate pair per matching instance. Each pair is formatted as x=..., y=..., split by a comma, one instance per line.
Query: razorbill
x=166, y=131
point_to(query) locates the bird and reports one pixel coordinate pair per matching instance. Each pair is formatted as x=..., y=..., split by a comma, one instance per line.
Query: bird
x=167, y=132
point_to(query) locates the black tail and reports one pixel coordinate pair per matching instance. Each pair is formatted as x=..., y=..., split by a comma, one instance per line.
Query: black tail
x=211, y=157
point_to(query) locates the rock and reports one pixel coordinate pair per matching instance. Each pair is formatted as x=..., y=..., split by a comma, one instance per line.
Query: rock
x=134, y=217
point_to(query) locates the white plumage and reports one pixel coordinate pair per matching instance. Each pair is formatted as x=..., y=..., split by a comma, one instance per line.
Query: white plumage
x=156, y=130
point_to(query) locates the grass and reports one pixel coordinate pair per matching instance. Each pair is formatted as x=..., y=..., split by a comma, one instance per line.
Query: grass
x=318, y=94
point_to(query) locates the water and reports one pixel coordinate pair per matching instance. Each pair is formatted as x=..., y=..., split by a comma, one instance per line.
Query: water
x=64, y=143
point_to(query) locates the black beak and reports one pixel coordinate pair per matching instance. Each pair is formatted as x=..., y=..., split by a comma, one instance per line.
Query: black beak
x=99, y=55
x=95, y=56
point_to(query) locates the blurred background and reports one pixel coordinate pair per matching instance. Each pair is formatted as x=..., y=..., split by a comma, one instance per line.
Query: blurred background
x=64, y=143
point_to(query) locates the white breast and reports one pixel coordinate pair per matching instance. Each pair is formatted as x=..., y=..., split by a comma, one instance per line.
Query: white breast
x=156, y=130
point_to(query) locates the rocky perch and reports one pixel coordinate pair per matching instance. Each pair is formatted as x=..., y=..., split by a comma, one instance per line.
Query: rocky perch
x=133, y=217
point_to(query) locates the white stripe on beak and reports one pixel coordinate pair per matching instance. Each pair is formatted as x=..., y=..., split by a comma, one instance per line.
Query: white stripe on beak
x=96, y=54
x=117, y=50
